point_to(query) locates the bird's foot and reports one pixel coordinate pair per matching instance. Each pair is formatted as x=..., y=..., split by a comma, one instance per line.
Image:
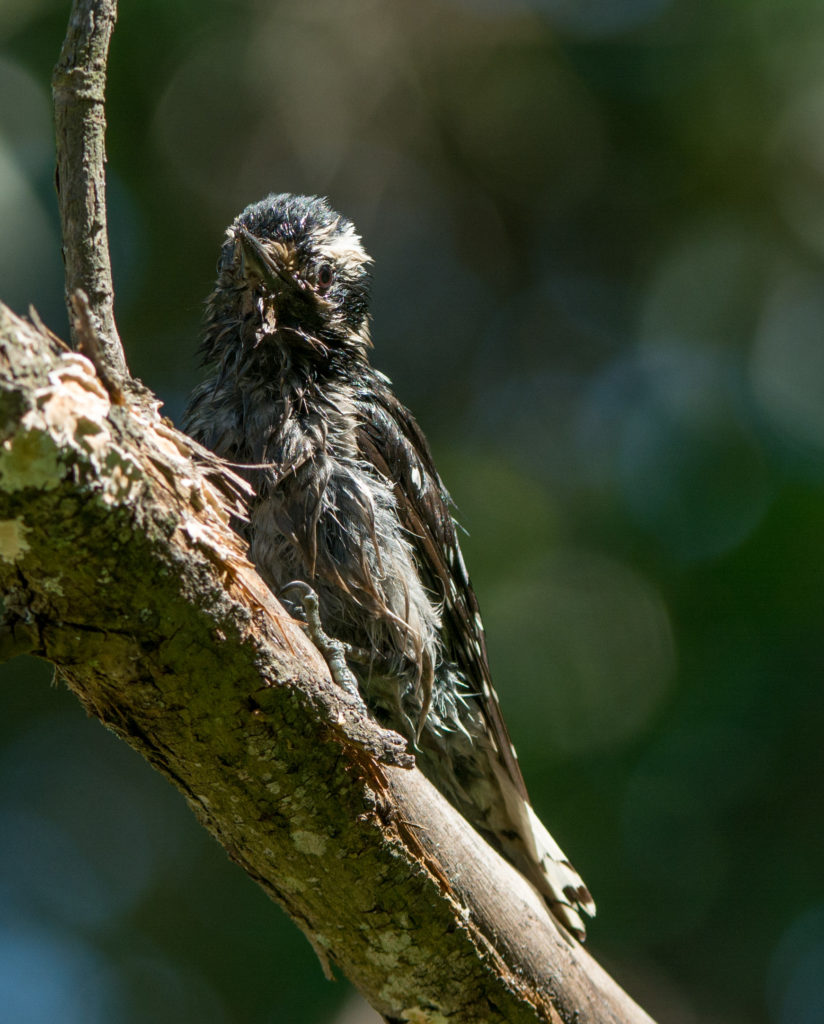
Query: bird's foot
x=335, y=652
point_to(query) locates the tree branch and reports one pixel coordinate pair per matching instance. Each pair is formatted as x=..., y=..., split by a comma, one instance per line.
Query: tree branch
x=78, y=88
x=191, y=660
x=118, y=565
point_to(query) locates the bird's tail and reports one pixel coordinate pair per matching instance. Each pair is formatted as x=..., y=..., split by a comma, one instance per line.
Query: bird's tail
x=541, y=860
x=557, y=880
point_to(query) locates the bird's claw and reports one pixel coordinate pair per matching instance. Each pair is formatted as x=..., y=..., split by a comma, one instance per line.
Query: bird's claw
x=335, y=652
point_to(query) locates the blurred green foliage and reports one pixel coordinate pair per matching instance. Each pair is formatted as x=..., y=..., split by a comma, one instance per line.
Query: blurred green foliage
x=599, y=231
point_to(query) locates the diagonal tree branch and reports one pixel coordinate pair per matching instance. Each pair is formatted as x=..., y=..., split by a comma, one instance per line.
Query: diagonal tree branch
x=118, y=562
x=118, y=565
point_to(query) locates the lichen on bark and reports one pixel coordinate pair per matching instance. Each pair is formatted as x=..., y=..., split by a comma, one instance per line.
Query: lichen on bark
x=124, y=572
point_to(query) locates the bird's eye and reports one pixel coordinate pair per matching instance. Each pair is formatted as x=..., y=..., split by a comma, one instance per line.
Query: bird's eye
x=325, y=276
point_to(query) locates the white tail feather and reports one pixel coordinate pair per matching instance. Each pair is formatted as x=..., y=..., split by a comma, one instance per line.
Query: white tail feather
x=563, y=885
x=540, y=859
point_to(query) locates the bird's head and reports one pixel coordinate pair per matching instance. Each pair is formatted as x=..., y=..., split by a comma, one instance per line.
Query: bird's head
x=295, y=274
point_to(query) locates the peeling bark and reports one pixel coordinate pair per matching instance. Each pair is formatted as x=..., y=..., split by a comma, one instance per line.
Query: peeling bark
x=118, y=565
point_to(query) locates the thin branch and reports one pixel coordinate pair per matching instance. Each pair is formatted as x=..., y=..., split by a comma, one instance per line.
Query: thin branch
x=117, y=558
x=78, y=88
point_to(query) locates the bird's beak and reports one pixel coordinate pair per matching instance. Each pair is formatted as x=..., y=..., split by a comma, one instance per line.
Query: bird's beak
x=257, y=264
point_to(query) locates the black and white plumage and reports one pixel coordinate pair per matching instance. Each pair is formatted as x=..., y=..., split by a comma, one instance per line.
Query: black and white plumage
x=348, y=499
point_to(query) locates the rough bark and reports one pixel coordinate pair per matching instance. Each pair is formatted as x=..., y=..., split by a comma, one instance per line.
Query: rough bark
x=78, y=89
x=118, y=565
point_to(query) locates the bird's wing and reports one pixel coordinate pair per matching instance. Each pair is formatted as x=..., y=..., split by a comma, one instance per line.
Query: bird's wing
x=391, y=440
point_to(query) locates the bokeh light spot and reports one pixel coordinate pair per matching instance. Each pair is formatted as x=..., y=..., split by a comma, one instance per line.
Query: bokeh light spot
x=589, y=643
x=795, y=981
x=787, y=363
x=45, y=977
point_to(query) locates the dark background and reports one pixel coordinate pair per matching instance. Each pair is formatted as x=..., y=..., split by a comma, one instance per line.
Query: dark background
x=598, y=228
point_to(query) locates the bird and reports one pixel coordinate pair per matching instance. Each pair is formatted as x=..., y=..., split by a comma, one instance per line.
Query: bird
x=348, y=504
